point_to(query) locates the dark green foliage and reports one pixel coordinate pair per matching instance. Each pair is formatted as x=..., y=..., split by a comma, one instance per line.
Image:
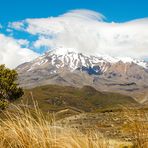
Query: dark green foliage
x=9, y=89
x=3, y=104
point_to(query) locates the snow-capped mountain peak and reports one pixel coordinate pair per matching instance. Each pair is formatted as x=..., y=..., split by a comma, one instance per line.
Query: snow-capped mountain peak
x=66, y=58
x=66, y=67
x=72, y=58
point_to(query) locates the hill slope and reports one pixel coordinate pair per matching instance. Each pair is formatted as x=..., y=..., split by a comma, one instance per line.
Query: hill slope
x=55, y=98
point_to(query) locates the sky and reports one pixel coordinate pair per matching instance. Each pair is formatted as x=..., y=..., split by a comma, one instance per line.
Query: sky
x=28, y=28
x=114, y=10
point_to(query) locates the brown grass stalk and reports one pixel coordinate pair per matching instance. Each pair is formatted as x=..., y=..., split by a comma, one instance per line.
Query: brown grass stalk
x=26, y=128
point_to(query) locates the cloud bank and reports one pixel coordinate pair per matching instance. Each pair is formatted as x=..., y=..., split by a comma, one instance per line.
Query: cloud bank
x=87, y=32
x=83, y=31
x=11, y=52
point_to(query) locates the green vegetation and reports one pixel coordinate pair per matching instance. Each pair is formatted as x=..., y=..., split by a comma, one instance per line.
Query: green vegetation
x=55, y=98
x=3, y=104
x=9, y=89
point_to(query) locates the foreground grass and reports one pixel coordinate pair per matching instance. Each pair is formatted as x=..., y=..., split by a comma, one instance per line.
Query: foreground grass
x=138, y=127
x=30, y=129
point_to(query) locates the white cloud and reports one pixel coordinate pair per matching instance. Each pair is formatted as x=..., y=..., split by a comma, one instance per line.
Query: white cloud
x=16, y=25
x=11, y=52
x=23, y=42
x=42, y=41
x=86, y=31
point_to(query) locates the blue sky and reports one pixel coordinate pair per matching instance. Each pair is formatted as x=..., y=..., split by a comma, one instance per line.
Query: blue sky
x=28, y=28
x=114, y=10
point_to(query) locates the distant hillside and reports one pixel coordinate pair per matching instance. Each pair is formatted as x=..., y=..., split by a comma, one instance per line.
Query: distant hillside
x=55, y=98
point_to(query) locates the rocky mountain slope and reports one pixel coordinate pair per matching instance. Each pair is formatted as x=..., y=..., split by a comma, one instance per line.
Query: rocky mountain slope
x=105, y=73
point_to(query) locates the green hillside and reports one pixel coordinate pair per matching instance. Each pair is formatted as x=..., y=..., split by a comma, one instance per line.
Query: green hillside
x=55, y=98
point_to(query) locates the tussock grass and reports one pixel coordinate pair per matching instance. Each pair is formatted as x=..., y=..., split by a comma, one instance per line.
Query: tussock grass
x=26, y=128
x=138, y=125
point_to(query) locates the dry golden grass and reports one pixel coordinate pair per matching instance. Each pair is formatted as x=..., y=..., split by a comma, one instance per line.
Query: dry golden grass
x=24, y=127
x=138, y=127
x=31, y=129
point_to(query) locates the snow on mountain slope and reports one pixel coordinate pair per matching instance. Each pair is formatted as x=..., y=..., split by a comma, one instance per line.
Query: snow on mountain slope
x=61, y=57
x=66, y=67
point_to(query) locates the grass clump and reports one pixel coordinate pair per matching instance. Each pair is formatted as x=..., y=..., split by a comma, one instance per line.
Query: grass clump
x=138, y=127
x=26, y=128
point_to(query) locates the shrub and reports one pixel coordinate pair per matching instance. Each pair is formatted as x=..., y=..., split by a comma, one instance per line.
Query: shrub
x=3, y=104
x=9, y=89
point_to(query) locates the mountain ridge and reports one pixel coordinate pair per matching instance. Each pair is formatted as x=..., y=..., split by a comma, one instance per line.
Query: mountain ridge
x=76, y=69
x=70, y=57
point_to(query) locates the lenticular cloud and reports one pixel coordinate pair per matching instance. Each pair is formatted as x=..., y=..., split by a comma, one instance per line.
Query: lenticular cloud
x=88, y=32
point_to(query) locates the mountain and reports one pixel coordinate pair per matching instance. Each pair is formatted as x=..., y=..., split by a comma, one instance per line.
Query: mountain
x=65, y=67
